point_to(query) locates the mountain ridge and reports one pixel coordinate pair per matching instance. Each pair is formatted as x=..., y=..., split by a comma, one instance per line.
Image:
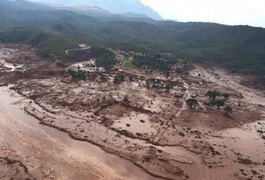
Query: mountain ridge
x=113, y=6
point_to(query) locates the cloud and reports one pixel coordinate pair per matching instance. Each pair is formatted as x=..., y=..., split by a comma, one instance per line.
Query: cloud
x=232, y=12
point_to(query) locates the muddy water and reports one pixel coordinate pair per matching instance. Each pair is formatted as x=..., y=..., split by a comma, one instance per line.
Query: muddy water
x=247, y=135
x=135, y=124
x=52, y=154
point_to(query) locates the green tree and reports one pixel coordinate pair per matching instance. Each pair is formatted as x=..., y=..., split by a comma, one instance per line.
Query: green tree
x=218, y=103
x=119, y=78
x=212, y=94
x=126, y=99
x=226, y=96
x=228, y=110
x=192, y=103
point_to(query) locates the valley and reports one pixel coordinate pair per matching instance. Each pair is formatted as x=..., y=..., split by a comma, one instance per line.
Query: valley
x=77, y=119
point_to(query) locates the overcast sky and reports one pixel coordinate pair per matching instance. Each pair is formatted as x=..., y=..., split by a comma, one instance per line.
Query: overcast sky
x=232, y=12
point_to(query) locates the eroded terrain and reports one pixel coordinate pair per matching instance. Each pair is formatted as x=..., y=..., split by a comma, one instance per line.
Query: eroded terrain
x=142, y=117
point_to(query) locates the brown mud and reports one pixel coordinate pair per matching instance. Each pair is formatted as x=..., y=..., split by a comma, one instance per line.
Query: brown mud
x=150, y=126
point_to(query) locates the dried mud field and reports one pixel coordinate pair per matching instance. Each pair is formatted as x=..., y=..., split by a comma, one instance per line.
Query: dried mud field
x=137, y=128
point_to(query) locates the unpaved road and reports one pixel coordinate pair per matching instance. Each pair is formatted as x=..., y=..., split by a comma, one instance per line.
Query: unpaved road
x=50, y=154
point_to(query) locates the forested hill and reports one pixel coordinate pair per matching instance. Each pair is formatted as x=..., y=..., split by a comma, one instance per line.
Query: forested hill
x=240, y=48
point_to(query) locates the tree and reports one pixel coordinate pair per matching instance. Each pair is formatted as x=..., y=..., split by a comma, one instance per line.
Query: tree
x=126, y=99
x=218, y=103
x=119, y=78
x=228, y=110
x=212, y=94
x=167, y=74
x=131, y=78
x=226, y=96
x=70, y=72
x=192, y=103
x=79, y=74
x=168, y=86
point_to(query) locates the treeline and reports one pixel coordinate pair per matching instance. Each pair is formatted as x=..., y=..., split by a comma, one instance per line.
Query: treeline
x=107, y=60
x=154, y=62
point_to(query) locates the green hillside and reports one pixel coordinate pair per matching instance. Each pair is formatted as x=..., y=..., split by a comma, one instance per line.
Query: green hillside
x=240, y=48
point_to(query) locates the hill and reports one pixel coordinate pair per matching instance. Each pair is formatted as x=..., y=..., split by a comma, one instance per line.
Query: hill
x=239, y=48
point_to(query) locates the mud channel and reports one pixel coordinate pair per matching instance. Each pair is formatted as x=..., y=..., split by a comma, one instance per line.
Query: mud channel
x=49, y=153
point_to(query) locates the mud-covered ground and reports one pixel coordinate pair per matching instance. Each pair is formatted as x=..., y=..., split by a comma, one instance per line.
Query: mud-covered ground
x=11, y=169
x=145, y=120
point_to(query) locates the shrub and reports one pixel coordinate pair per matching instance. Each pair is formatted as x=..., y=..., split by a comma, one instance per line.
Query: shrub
x=119, y=78
x=192, y=103
x=228, y=110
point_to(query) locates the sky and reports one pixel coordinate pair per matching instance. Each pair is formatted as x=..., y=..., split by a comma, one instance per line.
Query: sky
x=231, y=12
